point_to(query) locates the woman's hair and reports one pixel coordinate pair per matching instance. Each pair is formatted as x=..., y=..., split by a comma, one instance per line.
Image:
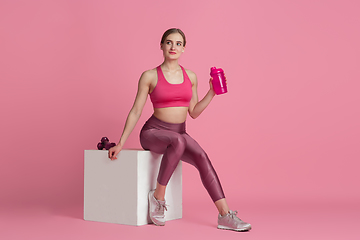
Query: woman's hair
x=170, y=31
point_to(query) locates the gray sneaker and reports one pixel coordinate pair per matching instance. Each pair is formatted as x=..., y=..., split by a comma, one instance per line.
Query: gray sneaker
x=156, y=210
x=231, y=222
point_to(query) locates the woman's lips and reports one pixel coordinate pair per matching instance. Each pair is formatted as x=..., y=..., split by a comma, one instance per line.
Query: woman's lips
x=172, y=53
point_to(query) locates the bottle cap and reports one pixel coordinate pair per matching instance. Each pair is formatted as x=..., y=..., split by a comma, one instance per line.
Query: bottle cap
x=215, y=70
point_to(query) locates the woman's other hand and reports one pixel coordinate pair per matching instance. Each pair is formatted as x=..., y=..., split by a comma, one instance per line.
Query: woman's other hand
x=210, y=82
x=114, y=151
x=211, y=86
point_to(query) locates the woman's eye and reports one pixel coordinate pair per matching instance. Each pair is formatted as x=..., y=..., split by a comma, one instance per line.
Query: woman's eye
x=179, y=44
x=168, y=42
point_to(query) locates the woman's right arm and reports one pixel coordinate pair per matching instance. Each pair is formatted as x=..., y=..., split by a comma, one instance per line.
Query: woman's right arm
x=134, y=114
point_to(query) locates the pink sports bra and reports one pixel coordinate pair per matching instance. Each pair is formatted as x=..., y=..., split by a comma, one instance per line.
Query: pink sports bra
x=166, y=94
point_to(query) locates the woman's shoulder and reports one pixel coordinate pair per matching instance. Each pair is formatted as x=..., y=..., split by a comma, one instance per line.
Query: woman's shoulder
x=191, y=74
x=149, y=72
x=149, y=75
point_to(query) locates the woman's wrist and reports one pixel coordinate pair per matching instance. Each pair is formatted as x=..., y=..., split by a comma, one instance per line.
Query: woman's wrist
x=211, y=92
x=120, y=143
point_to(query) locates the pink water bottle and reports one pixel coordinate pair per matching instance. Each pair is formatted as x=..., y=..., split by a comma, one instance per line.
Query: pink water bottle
x=218, y=82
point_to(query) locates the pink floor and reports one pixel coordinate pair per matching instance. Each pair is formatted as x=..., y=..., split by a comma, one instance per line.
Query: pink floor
x=280, y=220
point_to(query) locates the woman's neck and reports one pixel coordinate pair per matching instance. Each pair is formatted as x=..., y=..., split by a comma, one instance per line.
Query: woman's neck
x=170, y=65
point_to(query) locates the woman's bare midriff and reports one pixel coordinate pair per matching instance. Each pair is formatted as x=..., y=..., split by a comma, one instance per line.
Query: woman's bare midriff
x=171, y=114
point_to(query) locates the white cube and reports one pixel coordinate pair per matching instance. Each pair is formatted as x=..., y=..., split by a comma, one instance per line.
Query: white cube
x=117, y=191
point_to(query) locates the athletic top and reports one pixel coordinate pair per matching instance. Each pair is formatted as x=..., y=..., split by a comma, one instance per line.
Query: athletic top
x=166, y=94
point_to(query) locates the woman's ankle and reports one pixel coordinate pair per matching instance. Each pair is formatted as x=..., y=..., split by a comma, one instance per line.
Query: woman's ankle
x=222, y=206
x=223, y=213
x=158, y=195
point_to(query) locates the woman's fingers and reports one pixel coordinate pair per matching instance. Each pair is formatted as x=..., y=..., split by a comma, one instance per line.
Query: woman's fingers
x=112, y=154
x=114, y=151
x=225, y=79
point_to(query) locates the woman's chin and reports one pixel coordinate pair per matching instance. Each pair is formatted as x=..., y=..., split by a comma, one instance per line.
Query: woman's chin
x=172, y=57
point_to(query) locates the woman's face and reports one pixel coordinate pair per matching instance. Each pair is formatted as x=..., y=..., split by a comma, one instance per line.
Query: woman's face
x=173, y=46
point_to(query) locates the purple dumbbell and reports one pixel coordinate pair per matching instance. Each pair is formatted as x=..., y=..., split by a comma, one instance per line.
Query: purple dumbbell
x=109, y=145
x=100, y=146
x=105, y=143
x=104, y=140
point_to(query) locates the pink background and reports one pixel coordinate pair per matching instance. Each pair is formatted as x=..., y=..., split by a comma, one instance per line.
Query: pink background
x=287, y=130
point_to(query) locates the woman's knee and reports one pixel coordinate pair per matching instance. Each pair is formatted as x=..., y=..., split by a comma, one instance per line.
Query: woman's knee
x=201, y=157
x=179, y=142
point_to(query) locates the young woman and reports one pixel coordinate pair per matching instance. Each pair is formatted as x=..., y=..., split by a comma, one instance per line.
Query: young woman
x=173, y=92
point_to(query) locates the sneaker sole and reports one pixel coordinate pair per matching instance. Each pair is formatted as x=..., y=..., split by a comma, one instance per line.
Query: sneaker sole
x=234, y=229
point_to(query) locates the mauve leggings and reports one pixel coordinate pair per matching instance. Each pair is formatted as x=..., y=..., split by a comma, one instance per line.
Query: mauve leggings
x=172, y=140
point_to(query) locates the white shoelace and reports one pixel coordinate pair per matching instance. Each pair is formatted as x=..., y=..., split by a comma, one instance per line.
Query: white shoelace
x=233, y=215
x=162, y=206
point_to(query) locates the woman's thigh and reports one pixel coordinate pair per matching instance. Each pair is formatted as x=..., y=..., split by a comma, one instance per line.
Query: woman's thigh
x=158, y=140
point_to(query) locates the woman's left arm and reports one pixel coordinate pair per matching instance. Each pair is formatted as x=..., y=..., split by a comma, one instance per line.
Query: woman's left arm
x=197, y=107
